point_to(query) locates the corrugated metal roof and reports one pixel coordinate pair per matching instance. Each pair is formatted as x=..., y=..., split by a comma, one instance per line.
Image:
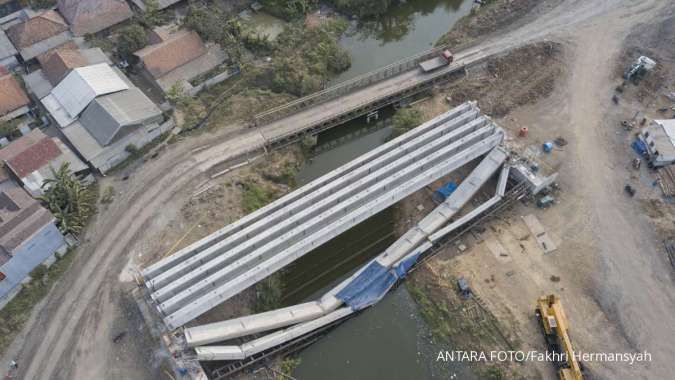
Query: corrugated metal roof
x=38, y=84
x=84, y=84
x=6, y=47
x=57, y=111
x=107, y=115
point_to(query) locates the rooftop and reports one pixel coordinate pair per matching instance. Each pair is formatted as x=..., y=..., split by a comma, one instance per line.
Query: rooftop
x=12, y=95
x=84, y=84
x=20, y=218
x=29, y=153
x=41, y=27
x=91, y=16
x=107, y=116
x=57, y=64
x=174, y=51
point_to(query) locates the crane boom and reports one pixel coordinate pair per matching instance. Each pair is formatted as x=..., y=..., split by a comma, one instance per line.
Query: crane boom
x=555, y=326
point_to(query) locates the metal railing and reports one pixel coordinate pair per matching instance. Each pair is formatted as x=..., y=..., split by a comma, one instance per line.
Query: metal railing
x=346, y=87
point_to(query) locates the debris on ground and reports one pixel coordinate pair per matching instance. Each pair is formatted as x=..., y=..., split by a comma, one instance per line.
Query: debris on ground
x=560, y=141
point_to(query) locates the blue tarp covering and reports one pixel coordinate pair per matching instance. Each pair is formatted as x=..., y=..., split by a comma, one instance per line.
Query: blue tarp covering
x=639, y=147
x=444, y=191
x=373, y=283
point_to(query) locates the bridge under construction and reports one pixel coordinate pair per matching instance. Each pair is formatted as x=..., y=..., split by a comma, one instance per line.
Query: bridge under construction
x=207, y=273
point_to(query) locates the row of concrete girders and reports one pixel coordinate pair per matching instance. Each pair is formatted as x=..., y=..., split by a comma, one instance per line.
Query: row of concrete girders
x=253, y=347
x=298, y=225
x=239, y=327
x=167, y=270
x=390, y=191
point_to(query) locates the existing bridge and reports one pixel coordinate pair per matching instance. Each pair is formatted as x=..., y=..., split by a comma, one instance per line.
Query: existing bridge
x=360, y=96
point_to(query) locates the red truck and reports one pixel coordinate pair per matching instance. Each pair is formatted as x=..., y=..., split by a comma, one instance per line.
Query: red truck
x=443, y=59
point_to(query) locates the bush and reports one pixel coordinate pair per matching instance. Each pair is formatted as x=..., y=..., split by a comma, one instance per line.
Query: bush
x=308, y=57
x=289, y=9
x=405, y=119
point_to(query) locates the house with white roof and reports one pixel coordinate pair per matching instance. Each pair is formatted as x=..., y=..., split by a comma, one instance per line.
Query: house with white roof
x=82, y=85
x=659, y=138
x=102, y=114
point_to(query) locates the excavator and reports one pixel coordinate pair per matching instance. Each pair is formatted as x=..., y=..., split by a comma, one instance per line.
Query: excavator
x=554, y=323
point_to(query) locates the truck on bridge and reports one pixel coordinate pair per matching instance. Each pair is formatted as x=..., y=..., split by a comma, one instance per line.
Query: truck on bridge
x=443, y=59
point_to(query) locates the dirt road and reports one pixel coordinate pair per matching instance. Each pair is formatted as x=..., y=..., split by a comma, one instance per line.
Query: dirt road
x=71, y=337
x=634, y=288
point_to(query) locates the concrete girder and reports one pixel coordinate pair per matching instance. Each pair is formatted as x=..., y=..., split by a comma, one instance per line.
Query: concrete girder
x=222, y=293
x=175, y=266
x=282, y=228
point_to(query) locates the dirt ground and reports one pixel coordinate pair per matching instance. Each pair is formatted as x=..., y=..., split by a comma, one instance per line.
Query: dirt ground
x=608, y=248
x=610, y=268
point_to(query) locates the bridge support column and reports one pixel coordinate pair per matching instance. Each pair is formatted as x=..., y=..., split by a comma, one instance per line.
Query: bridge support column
x=373, y=115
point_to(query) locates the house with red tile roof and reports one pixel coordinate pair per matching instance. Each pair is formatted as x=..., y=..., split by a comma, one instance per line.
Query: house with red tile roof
x=177, y=56
x=92, y=16
x=31, y=159
x=39, y=34
x=13, y=99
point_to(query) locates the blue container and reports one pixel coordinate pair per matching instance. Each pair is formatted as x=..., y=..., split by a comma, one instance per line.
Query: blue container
x=548, y=147
x=444, y=191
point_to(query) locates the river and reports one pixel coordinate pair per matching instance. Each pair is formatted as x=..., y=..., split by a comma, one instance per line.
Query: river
x=389, y=340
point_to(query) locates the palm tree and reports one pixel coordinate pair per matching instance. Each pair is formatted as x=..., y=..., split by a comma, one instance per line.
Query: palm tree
x=70, y=201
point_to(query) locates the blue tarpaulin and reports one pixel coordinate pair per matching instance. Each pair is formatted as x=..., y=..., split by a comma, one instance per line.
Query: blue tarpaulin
x=639, y=147
x=373, y=283
x=444, y=191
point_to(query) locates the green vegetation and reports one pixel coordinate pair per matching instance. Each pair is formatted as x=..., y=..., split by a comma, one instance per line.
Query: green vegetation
x=307, y=57
x=108, y=195
x=15, y=314
x=10, y=129
x=289, y=9
x=405, y=119
x=70, y=201
x=287, y=367
x=130, y=39
x=255, y=196
x=153, y=16
x=363, y=8
x=102, y=43
x=268, y=293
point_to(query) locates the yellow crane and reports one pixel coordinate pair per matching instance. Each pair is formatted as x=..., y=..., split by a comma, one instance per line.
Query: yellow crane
x=554, y=322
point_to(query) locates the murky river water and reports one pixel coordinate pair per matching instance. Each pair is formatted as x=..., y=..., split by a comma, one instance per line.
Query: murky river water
x=389, y=340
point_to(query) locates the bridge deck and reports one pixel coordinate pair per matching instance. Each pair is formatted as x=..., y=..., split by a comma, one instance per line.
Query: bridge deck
x=344, y=104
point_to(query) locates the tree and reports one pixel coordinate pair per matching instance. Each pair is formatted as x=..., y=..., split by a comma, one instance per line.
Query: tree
x=152, y=16
x=208, y=22
x=70, y=201
x=405, y=119
x=131, y=39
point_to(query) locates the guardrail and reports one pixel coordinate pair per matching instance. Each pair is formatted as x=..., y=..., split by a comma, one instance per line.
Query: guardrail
x=346, y=86
x=382, y=100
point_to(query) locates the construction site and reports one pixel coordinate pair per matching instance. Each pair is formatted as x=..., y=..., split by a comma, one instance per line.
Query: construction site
x=495, y=203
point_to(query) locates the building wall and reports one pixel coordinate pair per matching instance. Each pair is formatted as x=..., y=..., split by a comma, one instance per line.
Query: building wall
x=39, y=248
x=664, y=157
x=115, y=153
